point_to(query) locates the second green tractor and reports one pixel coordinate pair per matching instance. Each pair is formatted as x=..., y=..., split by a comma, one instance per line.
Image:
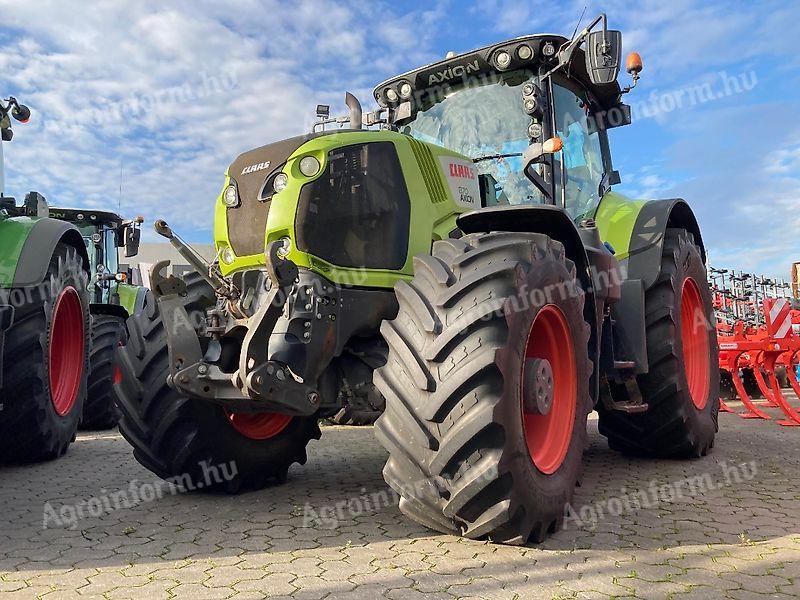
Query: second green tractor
x=468, y=262
x=112, y=300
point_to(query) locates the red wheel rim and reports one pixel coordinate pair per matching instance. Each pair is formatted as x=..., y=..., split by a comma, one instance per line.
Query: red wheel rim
x=259, y=426
x=694, y=339
x=65, y=352
x=548, y=436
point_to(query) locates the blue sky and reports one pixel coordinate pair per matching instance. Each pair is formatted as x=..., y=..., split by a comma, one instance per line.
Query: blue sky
x=167, y=94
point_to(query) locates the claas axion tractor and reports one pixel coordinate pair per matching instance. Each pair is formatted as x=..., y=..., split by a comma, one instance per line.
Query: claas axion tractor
x=466, y=259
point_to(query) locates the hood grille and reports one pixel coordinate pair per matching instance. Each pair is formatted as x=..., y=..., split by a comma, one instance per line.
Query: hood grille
x=430, y=171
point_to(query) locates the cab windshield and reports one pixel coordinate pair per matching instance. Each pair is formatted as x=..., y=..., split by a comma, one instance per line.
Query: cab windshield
x=484, y=121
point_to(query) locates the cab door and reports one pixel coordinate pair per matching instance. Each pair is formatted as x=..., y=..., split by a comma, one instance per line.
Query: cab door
x=580, y=168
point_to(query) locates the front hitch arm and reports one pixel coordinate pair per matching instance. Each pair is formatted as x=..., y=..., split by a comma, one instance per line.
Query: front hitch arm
x=260, y=384
x=182, y=341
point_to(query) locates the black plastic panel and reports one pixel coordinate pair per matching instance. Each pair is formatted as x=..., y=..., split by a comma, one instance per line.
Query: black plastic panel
x=357, y=213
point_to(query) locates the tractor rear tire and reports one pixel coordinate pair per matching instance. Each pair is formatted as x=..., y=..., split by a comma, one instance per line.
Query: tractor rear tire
x=195, y=442
x=782, y=377
x=101, y=411
x=682, y=387
x=46, y=363
x=751, y=384
x=465, y=456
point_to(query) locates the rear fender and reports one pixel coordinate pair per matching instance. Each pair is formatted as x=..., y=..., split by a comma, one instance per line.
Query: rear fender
x=647, y=236
x=35, y=240
x=111, y=310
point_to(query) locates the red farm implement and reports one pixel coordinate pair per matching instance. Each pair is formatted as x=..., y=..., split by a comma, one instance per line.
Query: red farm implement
x=756, y=330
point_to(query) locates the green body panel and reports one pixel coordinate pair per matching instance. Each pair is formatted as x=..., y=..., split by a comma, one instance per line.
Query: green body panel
x=127, y=296
x=429, y=220
x=13, y=234
x=616, y=218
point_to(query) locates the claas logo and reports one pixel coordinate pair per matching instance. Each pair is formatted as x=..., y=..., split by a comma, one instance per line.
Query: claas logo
x=461, y=171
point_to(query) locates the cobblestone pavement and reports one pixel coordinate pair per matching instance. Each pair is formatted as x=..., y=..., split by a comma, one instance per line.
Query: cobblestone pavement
x=719, y=538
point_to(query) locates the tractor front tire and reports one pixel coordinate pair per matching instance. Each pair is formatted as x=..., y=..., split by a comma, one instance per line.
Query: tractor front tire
x=100, y=411
x=45, y=363
x=194, y=442
x=681, y=388
x=468, y=455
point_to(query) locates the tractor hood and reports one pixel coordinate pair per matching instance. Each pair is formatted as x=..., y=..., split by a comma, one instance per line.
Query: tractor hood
x=250, y=169
x=252, y=173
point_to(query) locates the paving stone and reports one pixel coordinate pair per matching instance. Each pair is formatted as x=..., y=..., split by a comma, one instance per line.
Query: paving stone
x=736, y=540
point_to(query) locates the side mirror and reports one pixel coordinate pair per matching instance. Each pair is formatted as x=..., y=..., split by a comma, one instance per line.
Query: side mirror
x=21, y=113
x=133, y=236
x=534, y=153
x=603, y=55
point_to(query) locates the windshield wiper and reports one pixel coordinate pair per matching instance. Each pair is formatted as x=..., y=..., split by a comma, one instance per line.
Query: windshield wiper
x=496, y=156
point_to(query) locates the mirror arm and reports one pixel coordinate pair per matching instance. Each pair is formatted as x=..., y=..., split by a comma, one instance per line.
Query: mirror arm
x=565, y=55
x=538, y=180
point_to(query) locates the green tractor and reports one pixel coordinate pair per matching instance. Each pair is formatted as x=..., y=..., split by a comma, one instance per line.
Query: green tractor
x=44, y=322
x=469, y=261
x=112, y=299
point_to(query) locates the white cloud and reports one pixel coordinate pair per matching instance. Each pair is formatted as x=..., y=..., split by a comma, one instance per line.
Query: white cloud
x=173, y=93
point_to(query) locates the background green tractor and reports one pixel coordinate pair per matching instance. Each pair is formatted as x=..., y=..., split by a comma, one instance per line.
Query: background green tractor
x=471, y=254
x=112, y=299
x=44, y=322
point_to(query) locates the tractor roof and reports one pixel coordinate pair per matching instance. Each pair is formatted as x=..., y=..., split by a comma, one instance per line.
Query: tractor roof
x=80, y=216
x=477, y=64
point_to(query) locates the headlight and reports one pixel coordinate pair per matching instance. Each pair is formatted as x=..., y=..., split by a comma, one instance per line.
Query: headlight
x=230, y=197
x=227, y=256
x=309, y=166
x=391, y=95
x=502, y=59
x=280, y=182
x=405, y=90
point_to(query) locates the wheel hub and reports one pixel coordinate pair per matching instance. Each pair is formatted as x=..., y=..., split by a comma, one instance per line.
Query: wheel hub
x=695, y=344
x=66, y=351
x=548, y=410
x=258, y=426
x=538, y=386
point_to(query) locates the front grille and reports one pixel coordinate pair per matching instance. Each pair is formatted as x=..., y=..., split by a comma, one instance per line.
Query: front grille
x=247, y=226
x=430, y=171
x=357, y=213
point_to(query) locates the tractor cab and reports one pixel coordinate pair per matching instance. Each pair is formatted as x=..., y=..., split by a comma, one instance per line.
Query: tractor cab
x=104, y=233
x=501, y=104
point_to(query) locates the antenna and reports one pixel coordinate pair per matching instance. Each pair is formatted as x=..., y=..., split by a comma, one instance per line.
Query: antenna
x=119, y=201
x=578, y=24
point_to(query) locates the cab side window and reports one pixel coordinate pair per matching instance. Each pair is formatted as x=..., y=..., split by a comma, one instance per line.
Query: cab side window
x=581, y=160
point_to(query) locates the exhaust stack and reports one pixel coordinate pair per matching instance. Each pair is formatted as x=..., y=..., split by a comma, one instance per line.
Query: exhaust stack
x=355, y=110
